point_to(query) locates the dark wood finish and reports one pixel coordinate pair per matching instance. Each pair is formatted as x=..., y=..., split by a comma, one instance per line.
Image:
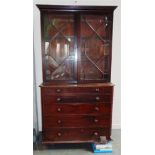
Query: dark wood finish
x=76, y=121
x=81, y=69
x=89, y=85
x=71, y=8
x=76, y=93
x=77, y=98
x=81, y=108
x=94, y=89
x=76, y=109
x=61, y=135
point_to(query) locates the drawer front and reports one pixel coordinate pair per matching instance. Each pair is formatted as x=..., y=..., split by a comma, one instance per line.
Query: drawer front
x=88, y=108
x=77, y=98
x=74, y=134
x=76, y=121
x=60, y=90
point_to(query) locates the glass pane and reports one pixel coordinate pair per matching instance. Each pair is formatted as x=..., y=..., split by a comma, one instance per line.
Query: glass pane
x=59, y=47
x=95, y=47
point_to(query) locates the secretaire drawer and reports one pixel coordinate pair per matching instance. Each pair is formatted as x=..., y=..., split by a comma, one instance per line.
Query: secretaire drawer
x=76, y=121
x=59, y=90
x=73, y=98
x=83, y=108
x=73, y=134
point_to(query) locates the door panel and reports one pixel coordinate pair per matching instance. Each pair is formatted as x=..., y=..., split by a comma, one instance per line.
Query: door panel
x=59, y=43
x=95, y=46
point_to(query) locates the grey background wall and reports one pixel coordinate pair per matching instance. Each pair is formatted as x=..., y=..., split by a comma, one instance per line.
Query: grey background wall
x=116, y=58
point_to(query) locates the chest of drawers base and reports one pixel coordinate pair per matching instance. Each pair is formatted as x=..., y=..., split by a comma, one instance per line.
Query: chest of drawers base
x=76, y=113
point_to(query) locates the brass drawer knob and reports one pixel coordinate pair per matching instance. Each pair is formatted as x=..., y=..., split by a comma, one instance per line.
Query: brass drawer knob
x=97, y=108
x=59, y=134
x=58, y=90
x=96, y=133
x=97, y=98
x=59, y=121
x=95, y=120
x=58, y=99
x=59, y=109
x=97, y=89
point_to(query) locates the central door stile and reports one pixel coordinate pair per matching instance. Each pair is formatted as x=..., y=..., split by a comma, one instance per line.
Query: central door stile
x=78, y=44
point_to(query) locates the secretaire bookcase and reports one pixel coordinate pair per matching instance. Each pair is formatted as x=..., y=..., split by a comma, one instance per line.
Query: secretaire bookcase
x=76, y=93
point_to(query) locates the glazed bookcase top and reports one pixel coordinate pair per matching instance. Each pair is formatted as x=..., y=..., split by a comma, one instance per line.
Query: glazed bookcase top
x=76, y=43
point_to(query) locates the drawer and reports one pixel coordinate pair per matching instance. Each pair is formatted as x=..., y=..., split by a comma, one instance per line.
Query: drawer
x=77, y=98
x=76, y=121
x=87, y=108
x=74, y=134
x=60, y=90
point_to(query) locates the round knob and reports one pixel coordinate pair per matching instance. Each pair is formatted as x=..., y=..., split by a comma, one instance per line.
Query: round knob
x=59, y=134
x=58, y=90
x=96, y=133
x=97, y=89
x=58, y=99
x=59, y=109
x=59, y=121
x=97, y=98
x=96, y=108
x=95, y=120
x=106, y=18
